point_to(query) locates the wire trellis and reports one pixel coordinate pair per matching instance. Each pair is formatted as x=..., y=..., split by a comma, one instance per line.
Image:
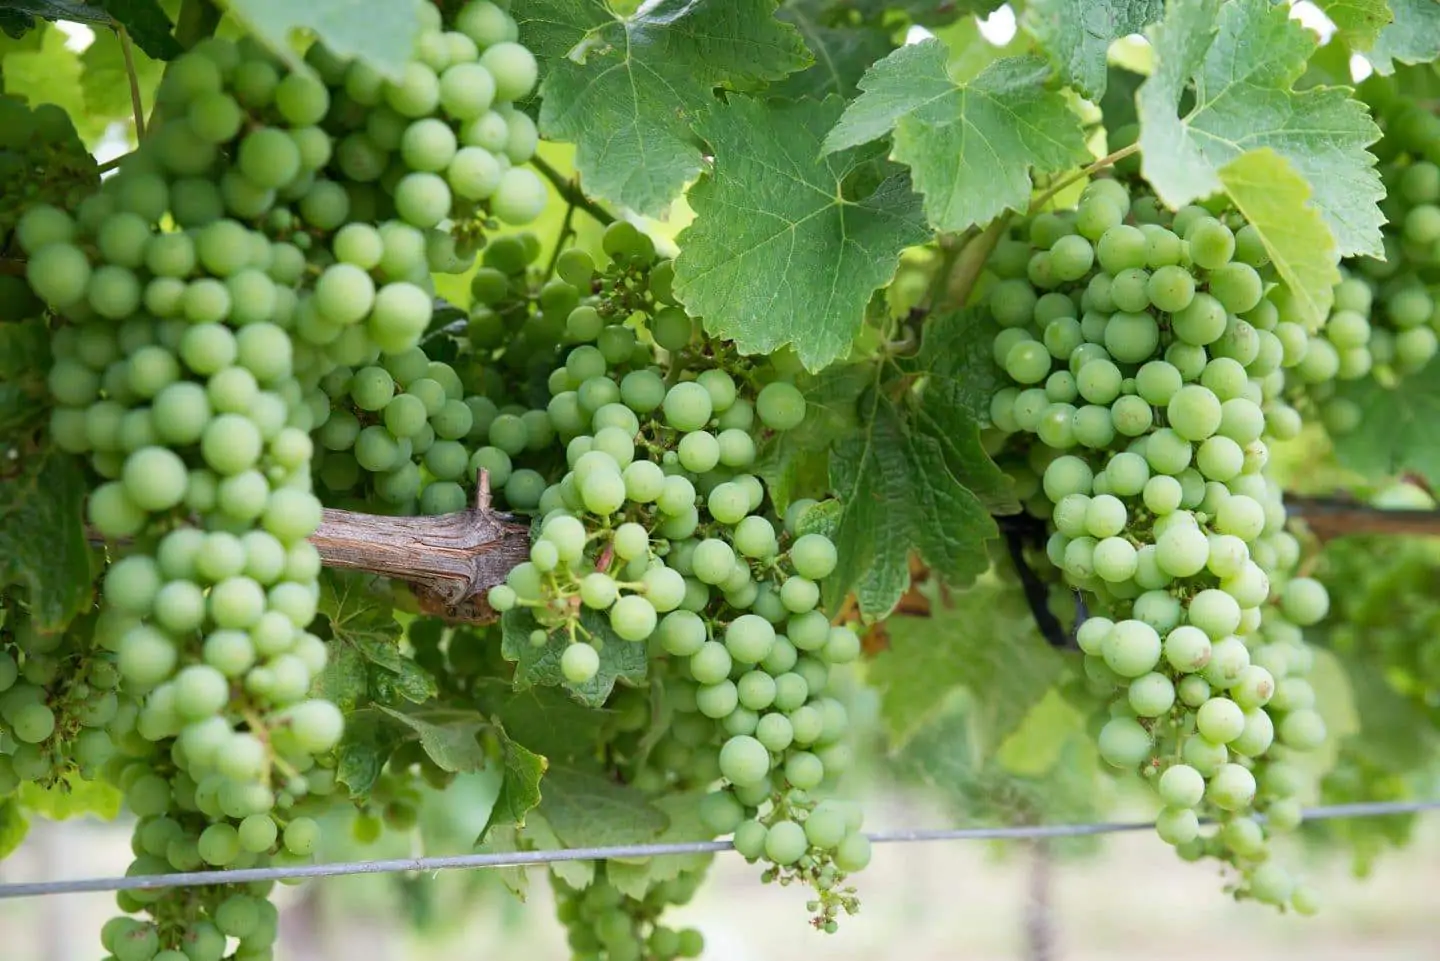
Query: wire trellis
x=511, y=859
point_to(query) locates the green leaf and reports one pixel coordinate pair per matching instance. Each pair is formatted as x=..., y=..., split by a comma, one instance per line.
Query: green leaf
x=796, y=463
x=449, y=737
x=105, y=83
x=842, y=53
x=549, y=722
x=636, y=876
x=1399, y=426
x=147, y=25
x=899, y=495
x=778, y=253
x=1414, y=36
x=365, y=660
x=1276, y=201
x=18, y=17
x=1243, y=64
x=591, y=810
x=506, y=839
x=24, y=397
x=1358, y=22
x=982, y=640
x=13, y=826
x=520, y=789
x=1395, y=730
x=42, y=535
x=51, y=74
x=541, y=665
x=626, y=90
x=72, y=797
x=379, y=34
x=970, y=147
x=1078, y=33
x=960, y=377
x=1118, y=104
x=368, y=742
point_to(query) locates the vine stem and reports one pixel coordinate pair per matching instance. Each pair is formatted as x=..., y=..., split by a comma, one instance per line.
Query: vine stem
x=1109, y=160
x=572, y=192
x=136, y=104
x=566, y=230
x=971, y=261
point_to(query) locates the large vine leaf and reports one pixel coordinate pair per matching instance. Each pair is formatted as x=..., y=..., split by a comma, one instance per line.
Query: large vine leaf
x=1276, y=202
x=14, y=825
x=955, y=649
x=50, y=73
x=970, y=147
x=18, y=17
x=587, y=809
x=636, y=876
x=541, y=665
x=1399, y=426
x=898, y=494
x=626, y=90
x=842, y=53
x=1077, y=33
x=42, y=534
x=1413, y=37
x=1243, y=58
x=779, y=252
x=24, y=360
x=380, y=34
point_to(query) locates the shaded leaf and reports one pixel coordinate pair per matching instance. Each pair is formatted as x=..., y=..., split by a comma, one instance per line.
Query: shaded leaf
x=1243, y=58
x=1399, y=426
x=24, y=397
x=591, y=810
x=541, y=665
x=899, y=495
x=842, y=52
x=626, y=90
x=365, y=661
x=636, y=876
x=147, y=25
x=450, y=738
x=970, y=147
x=778, y=254
x=42, y=534
x=13, y=826
x=367, y=744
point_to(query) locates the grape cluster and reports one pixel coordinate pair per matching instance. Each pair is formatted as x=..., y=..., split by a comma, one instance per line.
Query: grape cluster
x=59, y=700
x=657, y=533
x=602, y=922
x=240, y=262
x=1145, y=355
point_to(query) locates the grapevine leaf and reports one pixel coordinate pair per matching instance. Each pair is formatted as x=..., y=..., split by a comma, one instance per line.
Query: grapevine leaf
x=365, y=658
x=72, y=797
x=368, y=742
x=796, y=463
x=542, y=837
x=636, y=876
x=1399, y=426
x=507, y=839
x=842, y=53
x=1413, y=37
x=449, y=738
x=1358, y=22
x=970, y=147
x=1395, y=730
x=1037, y=743
x=592, y=810
x=899, y=495
x=960, y=378
x=104, y=81
x=1078, y=33
x=958, y=647
x=51, y=74
x=626, y=90
x=379, y=34
x=1276, y=202
x=147, y=25
x=548, y=722
x=17, y=17
x=42, y=535
x=1118, y=104
x=541, y=665
x=520, y=790
x=1243, y=63
x=778, y=253
x=24, y=359
x=13, y=826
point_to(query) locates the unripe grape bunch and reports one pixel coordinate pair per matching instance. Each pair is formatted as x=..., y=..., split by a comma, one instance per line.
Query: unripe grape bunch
x=1144, y=351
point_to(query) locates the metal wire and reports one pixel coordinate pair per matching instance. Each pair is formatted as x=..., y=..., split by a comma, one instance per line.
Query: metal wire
x=526, y=858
